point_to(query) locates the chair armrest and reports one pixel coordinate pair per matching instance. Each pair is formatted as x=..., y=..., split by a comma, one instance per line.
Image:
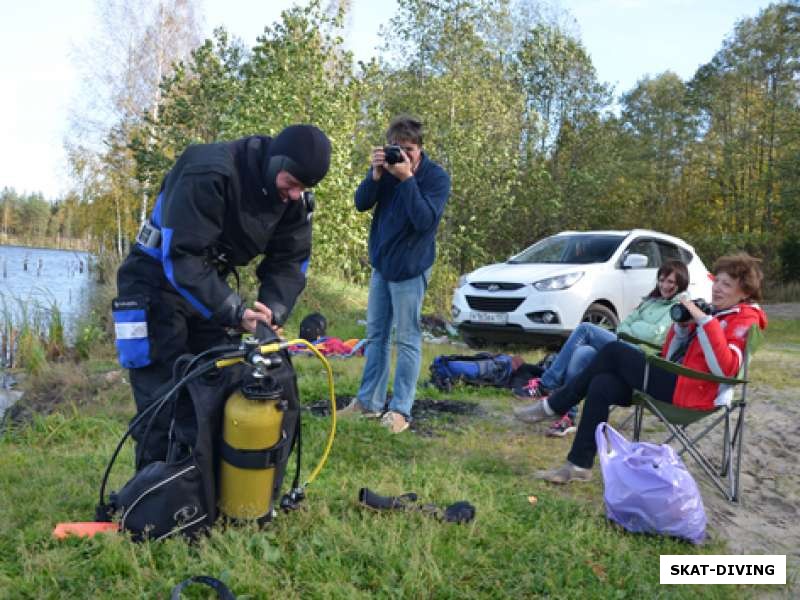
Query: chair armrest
x=677, y=369
x=636, y=341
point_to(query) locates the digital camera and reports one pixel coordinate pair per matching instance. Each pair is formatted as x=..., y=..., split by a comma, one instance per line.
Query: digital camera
x=680, y=314
x=392, y=154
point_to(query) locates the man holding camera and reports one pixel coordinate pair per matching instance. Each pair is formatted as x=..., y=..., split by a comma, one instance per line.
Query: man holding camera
x=407, y=193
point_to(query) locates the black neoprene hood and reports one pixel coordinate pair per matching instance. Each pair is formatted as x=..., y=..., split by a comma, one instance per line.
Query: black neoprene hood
x=302, y=150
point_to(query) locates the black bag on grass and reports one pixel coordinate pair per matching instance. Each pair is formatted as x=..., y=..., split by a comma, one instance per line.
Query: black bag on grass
x=313, y=327
x=163, y=499
x=177, y=495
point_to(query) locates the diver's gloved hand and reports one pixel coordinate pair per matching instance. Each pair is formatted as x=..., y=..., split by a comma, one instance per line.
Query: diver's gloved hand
x=458, y=512
x=265, y=334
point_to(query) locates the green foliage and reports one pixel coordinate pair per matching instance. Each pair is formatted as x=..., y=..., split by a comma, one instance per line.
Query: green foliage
x=746, y=100
x=514, y=112
x=89, y=336
x=30, y=219
x=32, y=355
x=343, y=304
x=30, y=333
x=439, y=296
x=790, y=257
x=56, y=343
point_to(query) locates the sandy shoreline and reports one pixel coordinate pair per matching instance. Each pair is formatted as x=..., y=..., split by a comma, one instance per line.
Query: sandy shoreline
x=766, y=519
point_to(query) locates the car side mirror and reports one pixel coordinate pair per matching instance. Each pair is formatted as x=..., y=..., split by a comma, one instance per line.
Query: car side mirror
x=635, y=261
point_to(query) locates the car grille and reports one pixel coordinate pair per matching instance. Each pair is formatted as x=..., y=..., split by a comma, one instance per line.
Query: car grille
x=493, y=304
x=497, y=286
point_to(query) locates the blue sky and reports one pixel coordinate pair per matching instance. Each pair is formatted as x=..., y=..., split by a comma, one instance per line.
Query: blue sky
x=627, y=39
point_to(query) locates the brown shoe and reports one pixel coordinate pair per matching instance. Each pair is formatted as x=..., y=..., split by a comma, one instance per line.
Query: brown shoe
x=355, y=409
x=532, y=413
x=394, y=422
x=565, y=474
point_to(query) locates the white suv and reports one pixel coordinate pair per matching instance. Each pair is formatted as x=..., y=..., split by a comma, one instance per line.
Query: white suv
x=541, y=294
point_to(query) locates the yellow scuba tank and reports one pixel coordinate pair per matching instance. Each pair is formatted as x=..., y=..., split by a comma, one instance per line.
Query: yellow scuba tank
x=258, y=425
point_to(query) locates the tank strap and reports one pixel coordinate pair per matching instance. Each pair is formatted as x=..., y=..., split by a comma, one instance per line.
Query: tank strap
x=256, y=459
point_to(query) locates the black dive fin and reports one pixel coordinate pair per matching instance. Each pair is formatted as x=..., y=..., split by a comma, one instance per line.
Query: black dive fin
x=369, y=498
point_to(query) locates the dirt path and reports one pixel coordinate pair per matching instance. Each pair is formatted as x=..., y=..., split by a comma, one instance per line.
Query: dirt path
x=789, y=310
x=766, y=520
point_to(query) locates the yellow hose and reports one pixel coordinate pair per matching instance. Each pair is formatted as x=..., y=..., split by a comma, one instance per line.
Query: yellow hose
x=332, y=432
x=228, y=362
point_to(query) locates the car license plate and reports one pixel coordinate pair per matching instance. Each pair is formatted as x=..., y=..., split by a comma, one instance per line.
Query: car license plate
x=493, y=318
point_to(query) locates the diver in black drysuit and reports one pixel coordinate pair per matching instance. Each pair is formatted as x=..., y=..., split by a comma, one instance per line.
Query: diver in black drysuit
x=220, y=206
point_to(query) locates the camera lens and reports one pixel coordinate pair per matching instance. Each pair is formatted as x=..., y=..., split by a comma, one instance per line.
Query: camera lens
x=679, y=313
x=392, y=155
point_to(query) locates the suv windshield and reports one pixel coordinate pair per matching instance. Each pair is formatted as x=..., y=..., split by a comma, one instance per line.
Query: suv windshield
x=573, y=249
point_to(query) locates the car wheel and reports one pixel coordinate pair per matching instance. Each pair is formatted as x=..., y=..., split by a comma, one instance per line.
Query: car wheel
x=602, y=316
x=473, y=342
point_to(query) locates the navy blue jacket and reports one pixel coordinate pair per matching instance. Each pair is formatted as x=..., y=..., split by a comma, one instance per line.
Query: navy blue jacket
x=402, y=239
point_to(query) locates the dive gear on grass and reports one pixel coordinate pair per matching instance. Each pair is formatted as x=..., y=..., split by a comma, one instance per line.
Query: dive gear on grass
x=180, y=494
x=260, y=426
x=373, y=500
x=222, y=590
x=458, y=512
x=313, y=327
x=84, y=529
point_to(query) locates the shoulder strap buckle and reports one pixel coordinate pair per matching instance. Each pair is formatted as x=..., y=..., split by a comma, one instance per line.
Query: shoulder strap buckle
x=149, y=236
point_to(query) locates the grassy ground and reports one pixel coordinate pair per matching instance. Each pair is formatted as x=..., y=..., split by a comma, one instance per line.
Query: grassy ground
x=777, y=363
x=561, y=546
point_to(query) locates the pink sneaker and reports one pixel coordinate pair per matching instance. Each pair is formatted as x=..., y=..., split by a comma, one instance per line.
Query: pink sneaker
x=564, y=426
x=532, y=389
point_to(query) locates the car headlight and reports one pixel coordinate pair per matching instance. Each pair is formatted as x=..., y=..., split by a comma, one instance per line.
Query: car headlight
x=462, y=281
x=561, y=282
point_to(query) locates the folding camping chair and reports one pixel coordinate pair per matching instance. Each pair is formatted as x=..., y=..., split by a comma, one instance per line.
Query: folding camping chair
x=647, y=348
x=725, y=475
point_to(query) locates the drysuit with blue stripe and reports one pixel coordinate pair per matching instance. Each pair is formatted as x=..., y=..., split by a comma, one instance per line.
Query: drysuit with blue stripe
x=215, y=211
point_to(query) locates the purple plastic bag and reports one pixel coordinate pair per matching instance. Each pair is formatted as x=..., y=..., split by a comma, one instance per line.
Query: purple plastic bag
x=647, y=487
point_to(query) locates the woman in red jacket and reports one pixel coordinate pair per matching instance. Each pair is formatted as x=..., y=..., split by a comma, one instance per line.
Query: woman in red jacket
x=709, y=343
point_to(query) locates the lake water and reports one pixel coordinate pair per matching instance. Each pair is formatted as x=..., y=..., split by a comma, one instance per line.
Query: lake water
x=32, y=280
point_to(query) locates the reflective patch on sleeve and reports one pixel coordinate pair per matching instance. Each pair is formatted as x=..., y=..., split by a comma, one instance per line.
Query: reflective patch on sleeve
x=708, y=353
x=738, y=354
x=130, y=331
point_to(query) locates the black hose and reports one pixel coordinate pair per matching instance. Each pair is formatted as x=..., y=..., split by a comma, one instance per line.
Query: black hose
x=296, y=482
x=195, y=359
